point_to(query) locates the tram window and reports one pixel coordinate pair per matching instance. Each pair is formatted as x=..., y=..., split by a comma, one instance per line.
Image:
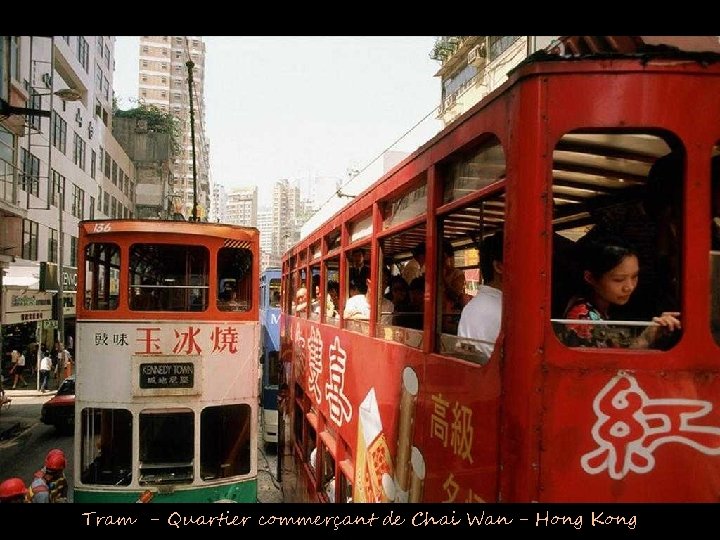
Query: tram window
x=314, y=314
x=616, y=190
x=235, y=286
x=406, y=206
x=102, y=276
x=298, y=423
x=300, y=293
x=274, y=293
x=310, y=446
x=715, y=244
x=166, y=446
x=356, y=308
x=225, y=441
x=327, y=476
x=469, y=173
x=332, y=240
x=168, y=277
x=468, y=324
x=106, y=447
x=405, y=322
x=344, y=486
x=332, y=291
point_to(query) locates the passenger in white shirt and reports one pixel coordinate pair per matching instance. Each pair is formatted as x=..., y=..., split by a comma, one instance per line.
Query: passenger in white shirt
x=357, y=306
x=481, y=317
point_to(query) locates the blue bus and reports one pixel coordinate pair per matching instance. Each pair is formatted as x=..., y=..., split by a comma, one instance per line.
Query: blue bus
x=269, y=352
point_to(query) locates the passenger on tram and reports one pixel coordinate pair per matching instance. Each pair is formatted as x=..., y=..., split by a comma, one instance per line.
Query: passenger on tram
x=610, y=272
x=359, y=270
x=481, y=317
x=357, y=306
x=301, y=300
x=332, y=300
x=399, y=291
x=410, y=314
x=415, y=267
x=653, y=227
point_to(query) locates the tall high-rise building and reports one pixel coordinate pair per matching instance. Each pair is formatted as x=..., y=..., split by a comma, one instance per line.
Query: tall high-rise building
x=242, y=205
x=163, y=82
x=218, y=204
x=286, y=207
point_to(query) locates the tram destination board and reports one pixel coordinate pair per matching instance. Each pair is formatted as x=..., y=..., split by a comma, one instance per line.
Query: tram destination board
x=167, y=375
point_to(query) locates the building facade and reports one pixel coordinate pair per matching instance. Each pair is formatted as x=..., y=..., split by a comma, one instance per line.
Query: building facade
x=59, y=164
x=242, y=206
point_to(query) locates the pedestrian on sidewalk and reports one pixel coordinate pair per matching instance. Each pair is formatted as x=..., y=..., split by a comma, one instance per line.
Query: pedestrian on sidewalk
x=45, y=367
x=18, y=367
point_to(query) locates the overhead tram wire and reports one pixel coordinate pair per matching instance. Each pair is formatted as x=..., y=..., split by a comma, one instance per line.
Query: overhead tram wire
x=339, y=189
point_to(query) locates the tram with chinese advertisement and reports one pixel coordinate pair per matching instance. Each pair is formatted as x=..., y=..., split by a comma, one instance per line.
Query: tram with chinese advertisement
x=558, y=379
x=167, y=348
x=269, y=352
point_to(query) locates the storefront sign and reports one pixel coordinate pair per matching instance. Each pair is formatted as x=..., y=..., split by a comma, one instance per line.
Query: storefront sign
x=49, y=280
x=23, y=305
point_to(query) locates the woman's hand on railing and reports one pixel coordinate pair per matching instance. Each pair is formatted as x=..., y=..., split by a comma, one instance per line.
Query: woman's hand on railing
x=667, y=321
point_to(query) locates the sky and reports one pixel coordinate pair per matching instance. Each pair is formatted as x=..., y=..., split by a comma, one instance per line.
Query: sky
x=301, y=107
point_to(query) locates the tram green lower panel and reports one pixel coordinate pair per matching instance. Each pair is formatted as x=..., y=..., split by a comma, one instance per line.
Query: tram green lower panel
x=241, y=492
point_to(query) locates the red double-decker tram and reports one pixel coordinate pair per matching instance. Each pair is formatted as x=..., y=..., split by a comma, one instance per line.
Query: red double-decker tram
x=461, y=332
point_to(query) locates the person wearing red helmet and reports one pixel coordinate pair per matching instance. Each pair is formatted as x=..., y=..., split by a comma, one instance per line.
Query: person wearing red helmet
x=13, y=490
x=49, y=484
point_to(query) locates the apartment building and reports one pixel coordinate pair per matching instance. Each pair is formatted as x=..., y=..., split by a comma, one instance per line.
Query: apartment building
x=163, y=82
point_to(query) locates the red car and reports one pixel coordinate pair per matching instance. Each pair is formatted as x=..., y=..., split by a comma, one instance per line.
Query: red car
x=59, y=411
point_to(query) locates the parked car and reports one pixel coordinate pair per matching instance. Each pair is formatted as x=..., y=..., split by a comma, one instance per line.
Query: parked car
x=59, y=411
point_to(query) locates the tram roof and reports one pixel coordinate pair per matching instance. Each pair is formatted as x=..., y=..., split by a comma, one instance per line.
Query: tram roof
x=151, y=226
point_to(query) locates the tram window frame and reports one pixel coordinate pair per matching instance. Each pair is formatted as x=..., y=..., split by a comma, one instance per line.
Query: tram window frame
x=153, y=265
x=156, y=469
x=360, y=325
x=315, y=251
x=396, y=247
x=470, y=171
x=274, y=292
x=332, y=270
x=224, y=429
x=326, y=470
x=454, y=221
x=106, y=455
x=314, y=295
x=333, y=241
x=310, y=443
x=617, y=204
x=234, y=268
x=407, y=205
x=102, y=276
x=344, y=484
x=715, y=242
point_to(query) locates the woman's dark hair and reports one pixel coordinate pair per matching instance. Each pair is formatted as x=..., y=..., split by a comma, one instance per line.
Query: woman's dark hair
x=601, y=254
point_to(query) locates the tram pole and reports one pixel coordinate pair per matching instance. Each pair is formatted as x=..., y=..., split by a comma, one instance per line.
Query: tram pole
x=190, y=65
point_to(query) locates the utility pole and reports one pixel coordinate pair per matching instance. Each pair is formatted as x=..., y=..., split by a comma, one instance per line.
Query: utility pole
x=190, y=65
